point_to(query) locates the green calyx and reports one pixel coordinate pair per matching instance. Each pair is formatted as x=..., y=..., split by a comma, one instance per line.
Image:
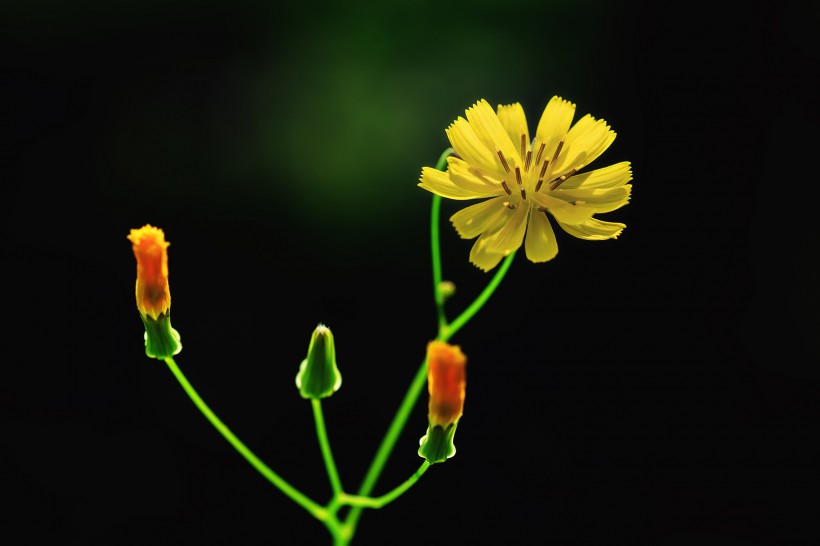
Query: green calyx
x=437, y=445
x=318, y=375
x=161, y=340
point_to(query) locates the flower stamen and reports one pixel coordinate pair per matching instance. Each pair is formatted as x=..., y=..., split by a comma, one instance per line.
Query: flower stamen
x=540, y=151
x=518, y=175
x=538, y=185
x=561, y=179
x=523, y=144
x=506, y=189
x=544, y=168
x=558, y=149
x=503, y=161
x=523, y=194
x=527, y=161
x=509, y=205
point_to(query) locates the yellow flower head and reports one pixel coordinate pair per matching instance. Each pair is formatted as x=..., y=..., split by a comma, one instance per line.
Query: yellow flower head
x=526, y=177
x=151, y=251
x=446, y=383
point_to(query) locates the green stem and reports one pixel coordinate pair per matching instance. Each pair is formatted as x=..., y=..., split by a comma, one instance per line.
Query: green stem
x=315, y=510
x=435, y=246
x=420, y=379
x=378, y=502
x=327, y=454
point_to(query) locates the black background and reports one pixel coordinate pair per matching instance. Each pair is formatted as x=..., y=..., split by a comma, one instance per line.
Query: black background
x=660, y=389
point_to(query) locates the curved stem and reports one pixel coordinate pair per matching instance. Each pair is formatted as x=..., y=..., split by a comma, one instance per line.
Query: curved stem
x=301, y=499
x=389, y=440
x=324, y=443
x=435, y=245
x=387, y=498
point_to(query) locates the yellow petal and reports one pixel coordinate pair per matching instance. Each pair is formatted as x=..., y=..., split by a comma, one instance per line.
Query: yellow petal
x=593, y=229
x=476, y=219
x=540, y=245
x=511, y=235
x=468, y=177
x=441, y=184
x=560, y=209
x=489, y=130
x=482, y=258
x=585, y=141
x=494, y=244
x=467, y=144
x=515, y=123
x=607, y=177
x=554, y=124
x=598, y=199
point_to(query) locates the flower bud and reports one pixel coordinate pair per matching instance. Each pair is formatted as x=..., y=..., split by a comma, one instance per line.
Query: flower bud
x=446, y=382
x=152, y=291
x=447, y=289
x=318, y=375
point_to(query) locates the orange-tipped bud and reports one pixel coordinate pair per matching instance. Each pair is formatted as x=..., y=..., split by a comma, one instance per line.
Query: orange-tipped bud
x=153, y=294
x=446, y=382
x=151, y=251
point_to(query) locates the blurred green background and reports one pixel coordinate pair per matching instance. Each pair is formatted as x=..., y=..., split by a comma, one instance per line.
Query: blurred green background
x=658, y=389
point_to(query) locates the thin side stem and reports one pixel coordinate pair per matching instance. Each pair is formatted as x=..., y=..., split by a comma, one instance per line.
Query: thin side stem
x=300, y=498
x=387, y=498
x=324, y=443
x=435, y=244
x=389, y=441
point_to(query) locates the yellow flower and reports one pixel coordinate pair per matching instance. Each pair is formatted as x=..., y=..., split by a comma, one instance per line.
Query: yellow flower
x=151, y=251
x=525, y=179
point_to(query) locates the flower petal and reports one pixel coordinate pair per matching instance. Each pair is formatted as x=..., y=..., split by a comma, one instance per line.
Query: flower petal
x=468, y=146
x=496, y=243
x=515, y=123
x=554, y=124
x=585, y=141
x=593, y=229
x=476, y=219
x=487, y=126
x=606, y=177
x=441, y=184
x=541, y=245
x=511, y=235
x=598, y=199
x=462, y=174
x=562, y=210
x=481, y=257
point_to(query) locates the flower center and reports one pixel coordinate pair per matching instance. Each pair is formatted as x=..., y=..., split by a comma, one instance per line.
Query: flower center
x=529, y=178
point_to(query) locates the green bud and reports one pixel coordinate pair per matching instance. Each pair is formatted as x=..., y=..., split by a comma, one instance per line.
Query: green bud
x=437, y=445
x=161, y=340
x=318, y=375
x=447, y=289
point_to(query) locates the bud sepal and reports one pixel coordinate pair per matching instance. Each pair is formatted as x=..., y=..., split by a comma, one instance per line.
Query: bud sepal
x=318, y=376
x=161, y=340
x=437, y=445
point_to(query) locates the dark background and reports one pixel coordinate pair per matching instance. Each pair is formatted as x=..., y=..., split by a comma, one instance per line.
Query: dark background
x=660, y=389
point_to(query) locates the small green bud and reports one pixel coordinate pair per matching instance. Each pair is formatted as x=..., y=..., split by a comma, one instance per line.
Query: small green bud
x=447, y=289
x=318, y=375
